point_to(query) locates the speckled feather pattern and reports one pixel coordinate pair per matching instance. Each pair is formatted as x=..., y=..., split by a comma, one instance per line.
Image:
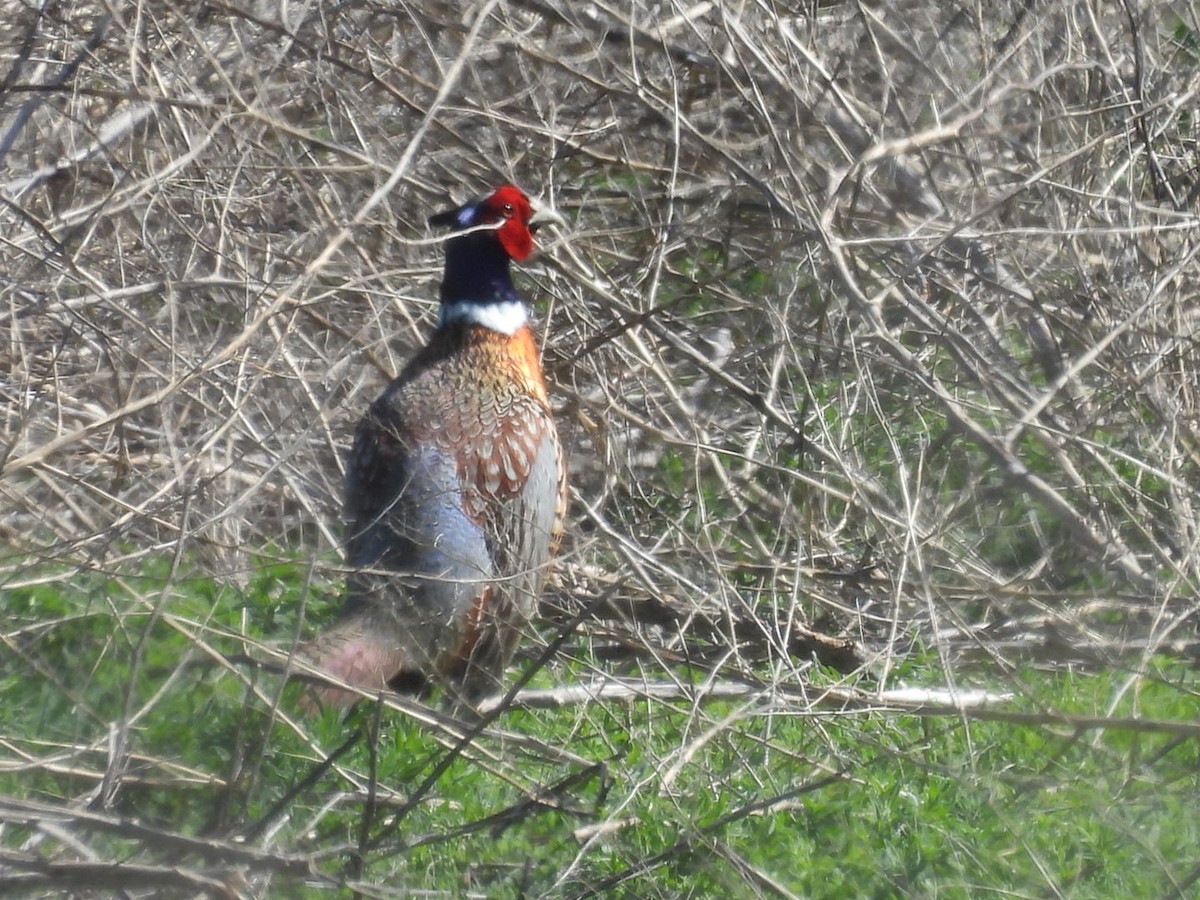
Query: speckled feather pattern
x=456, y=492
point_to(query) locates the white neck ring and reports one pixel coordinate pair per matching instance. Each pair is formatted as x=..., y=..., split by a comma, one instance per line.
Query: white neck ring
x=502, y=316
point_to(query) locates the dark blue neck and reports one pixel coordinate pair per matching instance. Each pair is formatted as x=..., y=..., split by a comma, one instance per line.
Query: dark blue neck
x=476, y=271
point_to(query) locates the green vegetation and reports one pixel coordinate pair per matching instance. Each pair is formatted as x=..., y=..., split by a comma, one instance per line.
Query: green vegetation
x=658, y=798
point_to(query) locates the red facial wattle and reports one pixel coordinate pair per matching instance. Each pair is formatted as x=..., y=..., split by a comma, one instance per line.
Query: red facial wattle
x=511, y=207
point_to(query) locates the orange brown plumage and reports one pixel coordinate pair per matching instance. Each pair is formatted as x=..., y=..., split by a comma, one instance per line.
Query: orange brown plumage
x=455, y=485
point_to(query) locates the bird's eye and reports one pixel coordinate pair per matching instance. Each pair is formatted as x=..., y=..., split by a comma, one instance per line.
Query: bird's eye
x=508, y=209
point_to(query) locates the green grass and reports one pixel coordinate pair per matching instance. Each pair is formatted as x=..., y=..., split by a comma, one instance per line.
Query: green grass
x=719, y=798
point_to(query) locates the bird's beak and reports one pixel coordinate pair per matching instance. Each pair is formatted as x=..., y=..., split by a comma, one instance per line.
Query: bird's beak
x=544, y=215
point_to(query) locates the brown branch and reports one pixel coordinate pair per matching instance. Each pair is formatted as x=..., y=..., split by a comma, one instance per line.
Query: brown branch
x=924, y=702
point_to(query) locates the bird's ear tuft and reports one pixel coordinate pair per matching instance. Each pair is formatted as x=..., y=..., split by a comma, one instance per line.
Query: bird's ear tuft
x=446, y=219
x=459, y=218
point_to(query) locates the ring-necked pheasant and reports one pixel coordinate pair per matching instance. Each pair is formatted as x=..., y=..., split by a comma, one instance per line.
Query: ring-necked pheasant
x=455, y=486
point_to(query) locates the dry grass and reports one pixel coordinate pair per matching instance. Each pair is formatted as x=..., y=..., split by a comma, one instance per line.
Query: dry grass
x=879, y=319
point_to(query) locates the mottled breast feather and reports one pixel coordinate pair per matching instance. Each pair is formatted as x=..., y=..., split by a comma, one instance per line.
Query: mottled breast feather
x=456, y=480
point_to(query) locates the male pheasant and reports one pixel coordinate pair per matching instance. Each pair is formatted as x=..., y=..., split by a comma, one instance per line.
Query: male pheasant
x=455, y=486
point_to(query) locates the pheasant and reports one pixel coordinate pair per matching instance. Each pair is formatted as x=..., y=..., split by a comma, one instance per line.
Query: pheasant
x=455, y=487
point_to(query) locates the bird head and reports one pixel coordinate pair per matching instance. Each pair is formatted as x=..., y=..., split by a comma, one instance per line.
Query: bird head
x=507, y=213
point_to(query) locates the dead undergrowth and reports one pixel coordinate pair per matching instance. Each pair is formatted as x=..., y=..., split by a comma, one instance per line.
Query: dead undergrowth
x=873, y=334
